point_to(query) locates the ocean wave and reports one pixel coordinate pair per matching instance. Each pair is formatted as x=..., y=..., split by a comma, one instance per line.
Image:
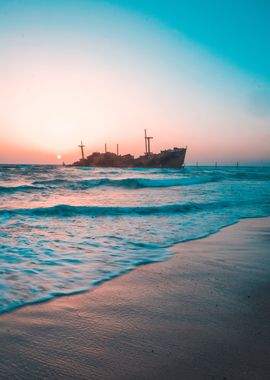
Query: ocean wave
x=17, y=189
x=250, y=176
x=63, y=210
x=129, y=183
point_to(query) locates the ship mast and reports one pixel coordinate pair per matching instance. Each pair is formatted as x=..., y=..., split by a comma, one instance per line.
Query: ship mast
x=149, y=150
x=82, y=146
x=147, y=140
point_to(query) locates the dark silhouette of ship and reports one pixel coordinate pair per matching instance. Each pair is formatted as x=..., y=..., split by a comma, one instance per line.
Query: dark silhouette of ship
x=169, y=158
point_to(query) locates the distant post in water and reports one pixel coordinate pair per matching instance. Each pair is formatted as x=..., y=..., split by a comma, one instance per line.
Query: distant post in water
x=105, y=148
x=237, y=164
x=82, y=151
x=216, y=164
x=117, y=149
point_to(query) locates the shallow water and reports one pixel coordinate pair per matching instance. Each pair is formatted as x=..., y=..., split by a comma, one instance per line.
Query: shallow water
x=64, y=230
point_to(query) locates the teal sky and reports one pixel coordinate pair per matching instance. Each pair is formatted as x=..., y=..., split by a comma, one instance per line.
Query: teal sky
x=198, y=71
x=235, y=30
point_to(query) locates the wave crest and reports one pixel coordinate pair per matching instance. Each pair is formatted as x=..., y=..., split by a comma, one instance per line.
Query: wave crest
x=17, y=189
x=96, y=211
x=130, y=183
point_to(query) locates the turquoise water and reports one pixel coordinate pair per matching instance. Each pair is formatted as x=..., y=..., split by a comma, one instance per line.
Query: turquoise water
x=64, y=230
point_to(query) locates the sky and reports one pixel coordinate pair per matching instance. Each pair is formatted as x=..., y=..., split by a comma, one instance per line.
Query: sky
x=194, y=73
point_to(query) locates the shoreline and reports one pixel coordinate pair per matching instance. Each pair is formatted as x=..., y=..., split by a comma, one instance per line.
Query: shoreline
x=201, y=314
x=124, y=272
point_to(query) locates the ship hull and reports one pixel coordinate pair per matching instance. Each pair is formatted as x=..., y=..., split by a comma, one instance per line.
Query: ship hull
x=171, y=158
x=166, y=159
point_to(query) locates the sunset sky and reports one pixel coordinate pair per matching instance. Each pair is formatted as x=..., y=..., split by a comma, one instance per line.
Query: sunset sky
x=192, y=72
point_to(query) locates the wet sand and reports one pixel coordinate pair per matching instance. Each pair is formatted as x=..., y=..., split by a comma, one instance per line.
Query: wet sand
x=202, y=314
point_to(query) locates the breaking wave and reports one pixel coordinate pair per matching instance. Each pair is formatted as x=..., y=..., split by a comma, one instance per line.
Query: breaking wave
x=56, y=238
x=128, y=183
x=96, y=211
x=132, y=183
x=15, y=189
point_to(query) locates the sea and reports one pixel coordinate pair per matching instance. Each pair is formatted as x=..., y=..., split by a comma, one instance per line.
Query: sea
x=65, y=230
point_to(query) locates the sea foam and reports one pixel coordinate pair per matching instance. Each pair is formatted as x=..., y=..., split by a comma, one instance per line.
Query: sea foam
x=65, y=230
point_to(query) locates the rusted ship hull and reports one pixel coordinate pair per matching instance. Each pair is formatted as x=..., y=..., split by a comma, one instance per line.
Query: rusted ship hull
x=171, y=158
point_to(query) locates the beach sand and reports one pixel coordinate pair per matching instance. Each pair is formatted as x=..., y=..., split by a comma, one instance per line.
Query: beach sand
x=202, y=314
